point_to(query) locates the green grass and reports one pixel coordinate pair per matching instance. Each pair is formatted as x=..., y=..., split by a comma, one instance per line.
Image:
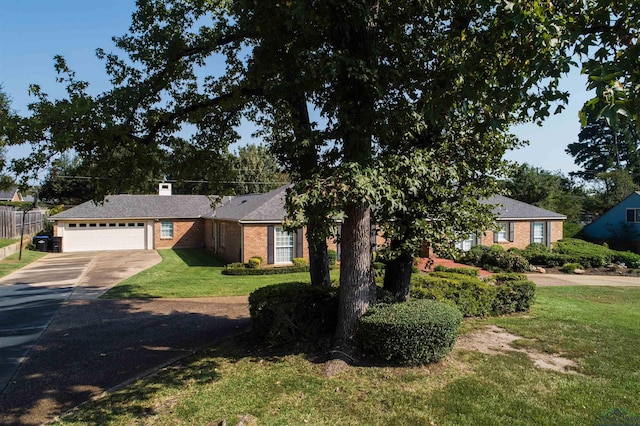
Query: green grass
x=599, y=328
x=11, y=263
x=8, y=241
x=194, y=273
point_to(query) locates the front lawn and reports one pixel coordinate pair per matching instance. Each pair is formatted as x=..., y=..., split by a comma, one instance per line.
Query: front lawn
x=11, y=263
x=598, y=327
x=4, y=242
x=194, y=273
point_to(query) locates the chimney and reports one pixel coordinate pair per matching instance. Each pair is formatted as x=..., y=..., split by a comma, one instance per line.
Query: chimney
x=164, y=188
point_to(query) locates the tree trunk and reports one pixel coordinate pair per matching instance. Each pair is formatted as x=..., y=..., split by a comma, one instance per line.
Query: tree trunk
x=397, y=276
x=318, y=256
x=356, y=284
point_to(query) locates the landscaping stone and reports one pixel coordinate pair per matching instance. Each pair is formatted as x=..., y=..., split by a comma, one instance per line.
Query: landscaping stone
x=578, y=271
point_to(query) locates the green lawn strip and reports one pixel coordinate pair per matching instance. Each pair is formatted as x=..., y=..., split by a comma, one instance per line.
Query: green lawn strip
x=597, y=327
x=11, y=263
x=4, y=242
x=194, y=273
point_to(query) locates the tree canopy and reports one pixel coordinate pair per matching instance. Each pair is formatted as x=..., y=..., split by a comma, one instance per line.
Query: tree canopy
x=392, y=84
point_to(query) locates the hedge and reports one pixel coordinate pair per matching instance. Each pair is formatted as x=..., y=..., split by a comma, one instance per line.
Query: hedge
x=474, y=272
x=501, y=294
x=264, y=271
x=285, y=313
x=415, y=332
x=495, y=258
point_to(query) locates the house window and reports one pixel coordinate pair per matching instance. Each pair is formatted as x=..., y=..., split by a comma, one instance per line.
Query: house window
x=465, y=245
x=538, y=232
x=502, y=232
x=166, y=230
x=283, y=245
x=633, y=215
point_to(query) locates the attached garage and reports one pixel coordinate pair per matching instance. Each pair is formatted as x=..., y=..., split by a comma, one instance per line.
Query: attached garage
x=97, y=236
x=134, y=222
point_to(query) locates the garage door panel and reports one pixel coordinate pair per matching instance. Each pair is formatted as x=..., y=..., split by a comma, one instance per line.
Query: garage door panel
x=104, y=236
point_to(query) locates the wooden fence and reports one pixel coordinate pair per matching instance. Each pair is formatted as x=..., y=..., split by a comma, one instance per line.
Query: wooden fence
x=11, y=222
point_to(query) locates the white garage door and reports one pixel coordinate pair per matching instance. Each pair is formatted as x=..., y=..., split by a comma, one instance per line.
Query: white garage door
x=96, y=236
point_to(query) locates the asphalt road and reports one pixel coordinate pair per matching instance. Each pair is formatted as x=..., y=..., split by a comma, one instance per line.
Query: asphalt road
x=61, y=346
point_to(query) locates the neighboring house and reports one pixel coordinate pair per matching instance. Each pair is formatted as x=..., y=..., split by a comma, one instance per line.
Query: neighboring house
x=619, y=227
x=131, y=222
x=12, y=194
x=519, y=224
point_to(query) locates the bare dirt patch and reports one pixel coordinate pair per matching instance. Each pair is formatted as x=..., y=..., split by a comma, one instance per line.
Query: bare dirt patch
x=494, y=340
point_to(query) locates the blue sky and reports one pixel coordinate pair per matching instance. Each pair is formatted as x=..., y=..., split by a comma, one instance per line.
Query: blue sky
x=33, y=31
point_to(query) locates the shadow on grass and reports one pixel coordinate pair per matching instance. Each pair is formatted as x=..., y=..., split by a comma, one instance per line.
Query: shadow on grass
x=92, y=346
x=199, y=257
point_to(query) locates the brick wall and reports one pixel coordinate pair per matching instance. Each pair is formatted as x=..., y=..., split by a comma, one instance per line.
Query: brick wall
x=255, y=242
x=187, y=233
x=209, y=235
x=556, y=230
x=522, y=234
x=229, y=249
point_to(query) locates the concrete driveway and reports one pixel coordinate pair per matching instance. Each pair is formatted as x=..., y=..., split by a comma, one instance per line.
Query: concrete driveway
x=80, y=346
x=31, y=296
x=553, y=280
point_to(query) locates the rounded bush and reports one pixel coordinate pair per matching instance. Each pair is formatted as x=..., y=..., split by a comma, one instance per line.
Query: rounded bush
x=415, y=332
x=285, y=313
x=472, y=296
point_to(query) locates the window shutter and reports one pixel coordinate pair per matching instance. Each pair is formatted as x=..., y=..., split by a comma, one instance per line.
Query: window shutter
x=511, y=233
x=299, y=243
x=270, y=245
x=547, y=234
x=531, y=240
x=495, y=236
x=631, y=215
x=478, y=240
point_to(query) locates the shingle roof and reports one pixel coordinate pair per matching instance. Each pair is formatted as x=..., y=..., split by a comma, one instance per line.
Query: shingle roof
x=508, y=208
x=8, y=194
x=267, y=207
x=142, y=207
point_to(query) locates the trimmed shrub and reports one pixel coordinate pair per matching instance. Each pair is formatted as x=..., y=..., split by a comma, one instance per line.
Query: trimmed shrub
x=416, y=332
x=473, y=272
x=569, y=268
x=235, y=265
x=285, y=313
x=254, y=263
x=630, y=260
x=265, y=271
x=495, y=258
x=470, y=295
x=333, y=257
x=299, y=262
x=513, y=296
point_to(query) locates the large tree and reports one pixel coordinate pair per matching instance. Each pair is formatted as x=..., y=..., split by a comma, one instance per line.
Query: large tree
x=383, y=77
x=601, y=148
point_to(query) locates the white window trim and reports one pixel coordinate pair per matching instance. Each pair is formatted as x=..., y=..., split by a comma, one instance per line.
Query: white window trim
x=276, y=230
x=503, y=229
x=543, y=237
x=163, y=235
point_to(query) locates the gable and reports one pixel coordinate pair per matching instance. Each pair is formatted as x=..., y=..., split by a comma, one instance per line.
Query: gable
x=614, y=223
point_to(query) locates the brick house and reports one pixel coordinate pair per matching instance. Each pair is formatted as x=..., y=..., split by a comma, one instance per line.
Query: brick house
x=519, y=224
x=238, y=228
x=134, y=222
x=243, y=226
